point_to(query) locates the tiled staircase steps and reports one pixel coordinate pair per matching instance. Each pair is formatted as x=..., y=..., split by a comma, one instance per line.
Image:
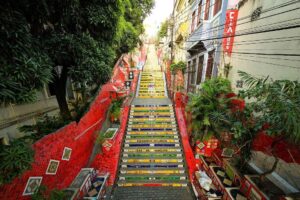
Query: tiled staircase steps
x=151, y=85
x=152, y=154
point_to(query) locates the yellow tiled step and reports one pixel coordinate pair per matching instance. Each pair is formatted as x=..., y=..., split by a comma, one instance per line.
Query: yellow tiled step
x=151, y=140
x=151, y=126
x=152, y=133
x=154, y=150
x=151, y=113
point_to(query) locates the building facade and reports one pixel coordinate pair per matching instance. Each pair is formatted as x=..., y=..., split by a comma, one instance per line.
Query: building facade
x=266, y=42
x=203, y=44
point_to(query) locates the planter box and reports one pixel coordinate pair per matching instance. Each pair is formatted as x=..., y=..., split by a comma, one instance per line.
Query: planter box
x=110, y=133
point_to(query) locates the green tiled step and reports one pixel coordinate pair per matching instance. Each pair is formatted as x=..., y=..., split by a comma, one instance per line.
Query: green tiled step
x=152, y=155
x=152, y=177
x=152, y=137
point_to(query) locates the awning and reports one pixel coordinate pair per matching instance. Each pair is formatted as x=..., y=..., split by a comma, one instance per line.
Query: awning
x=197, y=48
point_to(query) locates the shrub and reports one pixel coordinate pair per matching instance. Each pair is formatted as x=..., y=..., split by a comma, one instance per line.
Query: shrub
x=15, y=159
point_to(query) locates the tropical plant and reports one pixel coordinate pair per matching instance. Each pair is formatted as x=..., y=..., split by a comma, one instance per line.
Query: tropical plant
x=209, y=107
x=277, y=104
x=14, y=159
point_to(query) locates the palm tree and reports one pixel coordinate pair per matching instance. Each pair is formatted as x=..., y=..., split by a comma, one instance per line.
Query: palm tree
x=208, y=107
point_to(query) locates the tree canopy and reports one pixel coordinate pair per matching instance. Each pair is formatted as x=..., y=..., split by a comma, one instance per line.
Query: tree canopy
x=51, y=40
x=163, y=31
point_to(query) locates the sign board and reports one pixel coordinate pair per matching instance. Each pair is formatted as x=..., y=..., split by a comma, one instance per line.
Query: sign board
x=229, y=31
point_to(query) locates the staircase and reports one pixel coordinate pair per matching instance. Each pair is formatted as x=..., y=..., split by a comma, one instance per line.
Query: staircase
x=152, y=164
x=152, y=154
x=151, y=85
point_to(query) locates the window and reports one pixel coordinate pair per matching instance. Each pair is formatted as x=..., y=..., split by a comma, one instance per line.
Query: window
x=207, y=8
x=199, y=13
x=217, y=6
x=200, y=69
x=210, y=64
x=193, y=21
x=192, y=72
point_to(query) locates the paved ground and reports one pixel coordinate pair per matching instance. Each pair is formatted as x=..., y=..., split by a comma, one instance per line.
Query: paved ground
x=155, y=193
x=158, y=101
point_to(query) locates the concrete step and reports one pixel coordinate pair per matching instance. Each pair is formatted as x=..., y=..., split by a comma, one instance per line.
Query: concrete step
x=140, y=192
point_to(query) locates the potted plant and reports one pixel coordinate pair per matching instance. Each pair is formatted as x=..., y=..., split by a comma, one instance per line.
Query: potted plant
x=209, y=107
x=100, y=140
x=115, y=111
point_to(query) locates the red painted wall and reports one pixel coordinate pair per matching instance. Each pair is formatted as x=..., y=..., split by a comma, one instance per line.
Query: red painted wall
x=79, y=137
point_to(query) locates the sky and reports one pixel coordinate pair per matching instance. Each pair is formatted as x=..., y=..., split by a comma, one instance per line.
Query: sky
x=161, y=11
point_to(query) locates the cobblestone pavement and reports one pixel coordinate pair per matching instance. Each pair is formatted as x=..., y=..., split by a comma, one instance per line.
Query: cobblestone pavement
x=155, y=193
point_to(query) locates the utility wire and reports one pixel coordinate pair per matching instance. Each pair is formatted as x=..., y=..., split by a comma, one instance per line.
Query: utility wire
x=290, y=26
x=268, y=57
x=275, y=64
x=202, y=33
x=249, y=16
